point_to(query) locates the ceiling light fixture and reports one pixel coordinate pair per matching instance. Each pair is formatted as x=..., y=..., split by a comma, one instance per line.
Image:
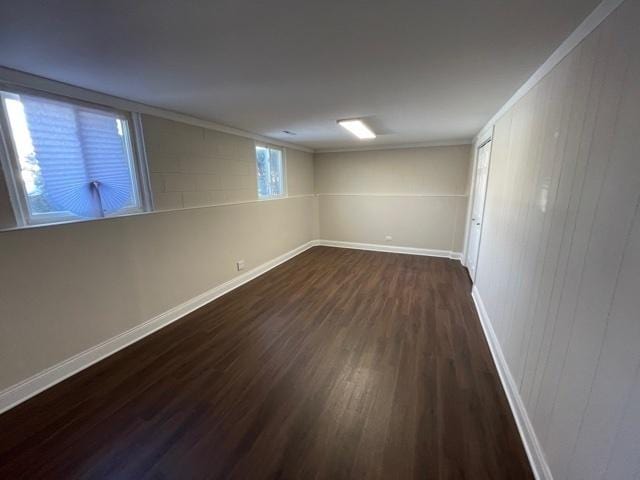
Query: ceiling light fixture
x=358, y=128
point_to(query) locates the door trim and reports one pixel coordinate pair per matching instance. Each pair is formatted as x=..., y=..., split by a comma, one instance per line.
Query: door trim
x=482, y=139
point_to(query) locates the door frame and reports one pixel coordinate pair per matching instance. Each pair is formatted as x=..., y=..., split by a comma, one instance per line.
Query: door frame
x=484, y=137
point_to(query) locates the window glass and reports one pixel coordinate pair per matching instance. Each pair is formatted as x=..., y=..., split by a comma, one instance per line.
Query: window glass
x=270, y=168
x=71, y=160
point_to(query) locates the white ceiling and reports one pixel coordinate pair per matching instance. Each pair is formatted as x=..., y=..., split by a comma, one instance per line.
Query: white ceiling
x=419, y=70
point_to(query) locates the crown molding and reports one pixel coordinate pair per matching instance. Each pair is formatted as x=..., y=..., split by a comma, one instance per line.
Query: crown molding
x=588, y=25
x=595, y=18
x=9, y=76
x=435, y=143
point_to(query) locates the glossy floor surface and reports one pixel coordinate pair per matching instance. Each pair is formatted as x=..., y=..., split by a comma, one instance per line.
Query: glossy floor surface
x=337, y=364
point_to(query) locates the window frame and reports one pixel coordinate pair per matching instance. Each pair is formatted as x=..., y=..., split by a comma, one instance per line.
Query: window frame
x=12, y=171
x=283, y=155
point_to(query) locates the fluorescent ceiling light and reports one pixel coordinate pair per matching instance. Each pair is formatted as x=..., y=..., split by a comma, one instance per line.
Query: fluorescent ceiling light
x=358, y=128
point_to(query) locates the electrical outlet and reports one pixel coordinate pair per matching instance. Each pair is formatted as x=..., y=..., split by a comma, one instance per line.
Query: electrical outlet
x=240, y=265
x=388, y=238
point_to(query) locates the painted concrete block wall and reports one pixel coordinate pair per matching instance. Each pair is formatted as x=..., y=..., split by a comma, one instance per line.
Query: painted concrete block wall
x=559, y=265
x=66, y=288
x=7, y=219
x=194, y=166
x=425, y=170
x=418, y=196
x=299, y=167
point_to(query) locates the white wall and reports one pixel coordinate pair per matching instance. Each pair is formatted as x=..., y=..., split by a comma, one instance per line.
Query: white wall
x=66, y=288
x=559, y=266
x=417, y=195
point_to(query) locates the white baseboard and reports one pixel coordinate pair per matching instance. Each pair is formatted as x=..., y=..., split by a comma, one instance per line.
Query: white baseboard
x=26, y=389
x=532, y=446
x=391, y=249
x=39, y=382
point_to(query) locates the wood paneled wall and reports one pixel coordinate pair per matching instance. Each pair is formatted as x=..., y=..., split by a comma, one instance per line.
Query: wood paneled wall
x=559, y=266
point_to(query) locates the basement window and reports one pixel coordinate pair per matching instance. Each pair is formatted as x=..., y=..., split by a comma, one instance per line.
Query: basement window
x=270, y=169
x=66, y=160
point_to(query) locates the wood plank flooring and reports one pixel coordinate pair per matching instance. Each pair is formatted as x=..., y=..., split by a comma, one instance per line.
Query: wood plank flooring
x=337, y=364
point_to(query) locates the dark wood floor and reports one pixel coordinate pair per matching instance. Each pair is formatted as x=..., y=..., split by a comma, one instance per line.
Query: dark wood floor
x=337, y=364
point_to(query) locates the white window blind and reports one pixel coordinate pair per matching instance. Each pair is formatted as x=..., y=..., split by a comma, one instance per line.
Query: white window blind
x=73, y=159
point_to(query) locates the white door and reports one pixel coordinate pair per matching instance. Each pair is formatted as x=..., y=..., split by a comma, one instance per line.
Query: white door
x=477, y=208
